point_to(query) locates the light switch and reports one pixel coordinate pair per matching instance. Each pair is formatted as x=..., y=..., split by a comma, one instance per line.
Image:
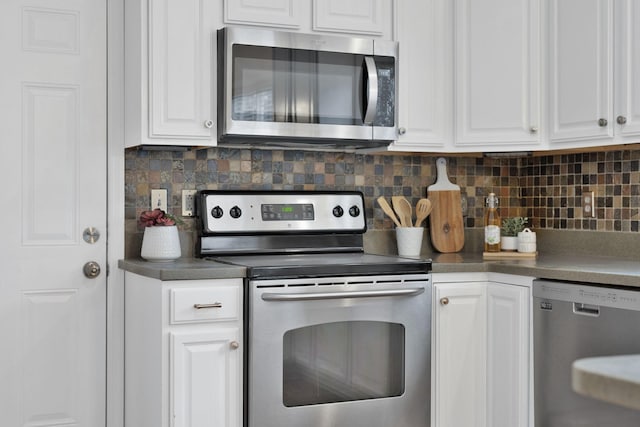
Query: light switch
x=159, y=199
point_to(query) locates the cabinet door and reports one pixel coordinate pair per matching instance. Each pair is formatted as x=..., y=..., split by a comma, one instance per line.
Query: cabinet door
x=627, y=55
x=273, y=13
x=181, y=54
x=507, y=355
x=353, y=16
x=497, y=87
x=580, y=70
x=459, y=365
x=206, y=379
x=425, y=85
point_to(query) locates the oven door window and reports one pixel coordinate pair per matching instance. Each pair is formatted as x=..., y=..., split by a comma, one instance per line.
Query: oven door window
x=343, y=361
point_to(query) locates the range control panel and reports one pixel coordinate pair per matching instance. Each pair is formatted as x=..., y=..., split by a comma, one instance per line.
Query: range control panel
x=249, y=212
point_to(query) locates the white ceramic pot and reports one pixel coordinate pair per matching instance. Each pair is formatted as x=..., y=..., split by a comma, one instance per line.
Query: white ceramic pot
x=508, y=243
x=160, y=244
x=527, y=241
x=409, y=240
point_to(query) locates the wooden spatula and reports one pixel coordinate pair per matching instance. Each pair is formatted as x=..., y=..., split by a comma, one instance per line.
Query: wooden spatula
x=423, y=209
x=403, y=209
x=387, y=209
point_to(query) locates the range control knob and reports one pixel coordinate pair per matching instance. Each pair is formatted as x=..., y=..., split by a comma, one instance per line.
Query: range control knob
x=217, y=212
x=354, y=211
x=338, y=211
x=235, y=212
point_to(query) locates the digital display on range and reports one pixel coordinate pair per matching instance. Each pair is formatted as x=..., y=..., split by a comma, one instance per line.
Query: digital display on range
x=287, y=212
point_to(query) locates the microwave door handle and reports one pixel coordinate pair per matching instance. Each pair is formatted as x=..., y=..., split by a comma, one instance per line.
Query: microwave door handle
x=371, y=99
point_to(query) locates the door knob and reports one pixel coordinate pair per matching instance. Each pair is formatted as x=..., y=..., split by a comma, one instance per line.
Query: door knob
x=603, y=123
x=621, y=120
x=444, y=301
x=234, y=344
x=91, y=269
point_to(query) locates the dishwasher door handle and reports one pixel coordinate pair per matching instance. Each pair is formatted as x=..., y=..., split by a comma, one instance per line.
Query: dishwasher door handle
x=309, y=296
x=586, y=309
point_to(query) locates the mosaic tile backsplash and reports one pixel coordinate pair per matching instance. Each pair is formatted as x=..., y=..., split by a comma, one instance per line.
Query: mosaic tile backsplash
x=546, y=189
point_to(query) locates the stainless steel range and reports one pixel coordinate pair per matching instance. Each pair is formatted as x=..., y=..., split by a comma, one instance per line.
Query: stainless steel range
x=335, y=337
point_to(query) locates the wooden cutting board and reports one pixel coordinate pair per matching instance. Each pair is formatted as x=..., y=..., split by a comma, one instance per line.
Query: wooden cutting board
x=447, y=228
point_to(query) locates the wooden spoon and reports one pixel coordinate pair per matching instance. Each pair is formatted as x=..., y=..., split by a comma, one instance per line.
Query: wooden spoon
x=423, y=209
x=403, y=209
x=387, y=209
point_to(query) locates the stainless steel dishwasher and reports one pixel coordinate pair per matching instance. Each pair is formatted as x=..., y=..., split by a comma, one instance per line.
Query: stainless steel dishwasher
x=572, y=321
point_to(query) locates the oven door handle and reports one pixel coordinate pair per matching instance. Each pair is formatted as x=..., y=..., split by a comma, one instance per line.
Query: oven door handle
x=309, y=296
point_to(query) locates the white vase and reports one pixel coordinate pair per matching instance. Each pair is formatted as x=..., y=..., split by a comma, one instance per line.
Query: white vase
x=508, y=243
x=160, y=244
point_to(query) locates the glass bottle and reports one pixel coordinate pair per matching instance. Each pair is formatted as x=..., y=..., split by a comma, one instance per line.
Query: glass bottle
x=492, y=225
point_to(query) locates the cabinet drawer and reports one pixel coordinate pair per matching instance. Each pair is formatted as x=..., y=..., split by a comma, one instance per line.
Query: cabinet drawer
x=219, y=303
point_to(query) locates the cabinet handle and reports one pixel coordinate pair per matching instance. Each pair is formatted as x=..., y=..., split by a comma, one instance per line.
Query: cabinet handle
x=444, y=301
x=212, y=305
x=234, y=344
x=208, y=124
x=603, y=123
x=533, y=129
x=621, y=120
x=402, y=131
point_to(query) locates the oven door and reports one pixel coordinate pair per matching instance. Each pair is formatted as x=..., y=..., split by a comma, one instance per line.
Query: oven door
x=339, y=352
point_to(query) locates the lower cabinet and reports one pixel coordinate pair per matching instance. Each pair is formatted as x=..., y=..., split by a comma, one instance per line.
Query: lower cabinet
x=481, y=357
x=183, y=352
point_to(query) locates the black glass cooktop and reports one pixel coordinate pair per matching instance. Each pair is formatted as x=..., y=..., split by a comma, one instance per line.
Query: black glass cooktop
x=325, y=265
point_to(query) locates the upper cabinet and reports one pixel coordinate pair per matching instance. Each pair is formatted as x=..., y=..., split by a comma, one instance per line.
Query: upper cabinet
x=170, y=56
x=627, y=83
x=170, y=72
x=580, y=71
x=367, y=17
x=593, y=67
x=479, y=93
x=272, y=13
x=497, y=79
x=425, y=85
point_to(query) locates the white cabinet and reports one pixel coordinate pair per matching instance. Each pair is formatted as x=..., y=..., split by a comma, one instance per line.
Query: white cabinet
x=367, y=17
x=508, y=355
x=183, y=352
x=481, y=93
x=497, y=75
x=170, y=77
x=593, y=67
x=425, y=69
x=580, y=70
x=278, y=13
x=459, y=373
x=481, y=364
x=627, y=54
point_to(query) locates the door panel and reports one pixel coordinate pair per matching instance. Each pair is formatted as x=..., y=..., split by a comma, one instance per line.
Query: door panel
x=53, y=146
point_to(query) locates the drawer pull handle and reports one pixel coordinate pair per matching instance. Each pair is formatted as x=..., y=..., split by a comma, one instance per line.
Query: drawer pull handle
x=234, y=344
x=444, y=301
x=213, y=305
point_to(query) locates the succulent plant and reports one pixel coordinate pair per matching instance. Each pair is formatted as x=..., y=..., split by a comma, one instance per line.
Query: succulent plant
x=512, y=226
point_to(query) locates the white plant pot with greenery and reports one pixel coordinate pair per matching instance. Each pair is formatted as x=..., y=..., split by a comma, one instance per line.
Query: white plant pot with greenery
x=160, y=242
x=509, y=232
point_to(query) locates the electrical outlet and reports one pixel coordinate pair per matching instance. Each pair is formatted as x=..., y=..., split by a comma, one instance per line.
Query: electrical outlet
x=188, y=202
x=588, y=204
x=159, y=199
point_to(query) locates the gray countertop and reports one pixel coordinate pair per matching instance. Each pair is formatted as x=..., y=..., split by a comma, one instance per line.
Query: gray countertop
x=182, y=269
x=581, y=268
x=613, y=379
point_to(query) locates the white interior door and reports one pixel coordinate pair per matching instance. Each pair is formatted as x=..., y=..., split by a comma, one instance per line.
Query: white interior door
x=53, y=151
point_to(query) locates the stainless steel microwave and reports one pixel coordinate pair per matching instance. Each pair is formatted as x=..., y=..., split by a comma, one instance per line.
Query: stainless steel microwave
x=283, y=87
